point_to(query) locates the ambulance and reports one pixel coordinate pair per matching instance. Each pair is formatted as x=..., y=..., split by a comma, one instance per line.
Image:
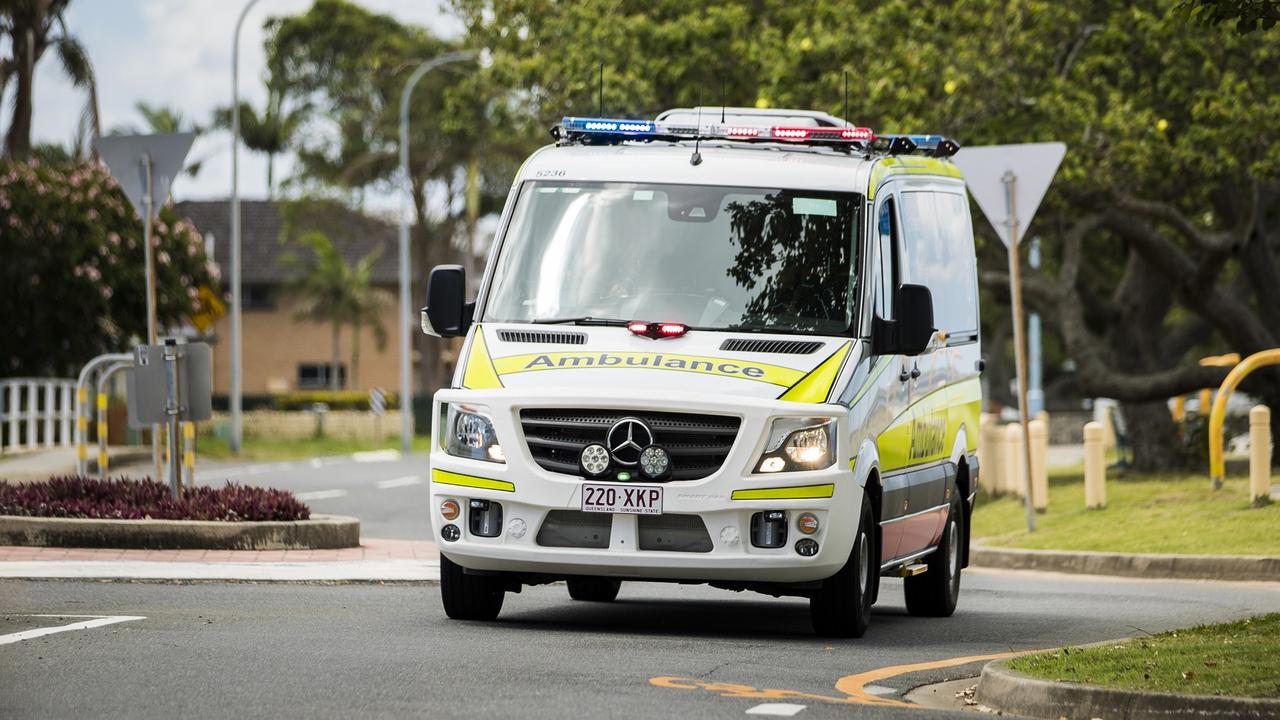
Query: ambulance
x=726, y=346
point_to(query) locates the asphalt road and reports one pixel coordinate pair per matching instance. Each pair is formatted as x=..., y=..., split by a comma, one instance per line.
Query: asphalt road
x=227, y=650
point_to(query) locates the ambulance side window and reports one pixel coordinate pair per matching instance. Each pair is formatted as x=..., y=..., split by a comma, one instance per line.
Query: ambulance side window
x=887, y=238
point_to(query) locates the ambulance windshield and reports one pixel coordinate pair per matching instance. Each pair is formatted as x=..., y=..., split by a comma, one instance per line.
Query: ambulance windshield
x=750, y=259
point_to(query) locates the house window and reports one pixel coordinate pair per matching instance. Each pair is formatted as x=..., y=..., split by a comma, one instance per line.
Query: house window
x=316, y=376
x=258, y=297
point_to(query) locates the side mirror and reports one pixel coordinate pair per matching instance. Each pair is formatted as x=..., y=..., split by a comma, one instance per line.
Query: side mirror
x=910, y=332
x=447, y=313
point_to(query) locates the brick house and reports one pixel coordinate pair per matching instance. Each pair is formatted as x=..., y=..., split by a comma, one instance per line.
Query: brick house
x=281, y=352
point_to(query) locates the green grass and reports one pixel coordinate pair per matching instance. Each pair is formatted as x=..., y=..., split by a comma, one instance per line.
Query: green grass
x=259, y=448
x=1236, y=659
x=1153, y=514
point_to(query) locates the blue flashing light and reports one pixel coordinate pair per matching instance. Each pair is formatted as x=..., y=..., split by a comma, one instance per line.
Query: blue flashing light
x=607, y=126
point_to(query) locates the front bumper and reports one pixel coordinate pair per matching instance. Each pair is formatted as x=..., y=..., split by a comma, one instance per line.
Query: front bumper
x=528, y=493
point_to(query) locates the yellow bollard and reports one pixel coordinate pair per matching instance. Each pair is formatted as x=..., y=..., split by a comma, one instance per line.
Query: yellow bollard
x=188, y=454
x=102, y=436
x=1180, y=408
x=1206, y=402
x=987, y=425
x=1039, y=439
x=1095, y=466
x=1260, y=455
x=1014, y=459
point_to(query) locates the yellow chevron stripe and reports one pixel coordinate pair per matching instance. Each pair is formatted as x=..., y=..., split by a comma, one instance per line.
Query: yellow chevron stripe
x=444, y=477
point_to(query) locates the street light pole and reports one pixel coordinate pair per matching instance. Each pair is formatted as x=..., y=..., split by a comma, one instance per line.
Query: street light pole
x=406, y=312
x=237, y=351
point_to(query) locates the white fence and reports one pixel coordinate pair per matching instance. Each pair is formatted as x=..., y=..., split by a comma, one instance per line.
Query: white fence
x=36, y=413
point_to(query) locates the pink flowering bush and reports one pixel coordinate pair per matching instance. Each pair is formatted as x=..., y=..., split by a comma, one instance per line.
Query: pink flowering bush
x=127, y=499
x=71, y=267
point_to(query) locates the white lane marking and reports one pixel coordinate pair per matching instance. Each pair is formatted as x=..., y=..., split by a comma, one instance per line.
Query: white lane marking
x=316, y=462
x=360, y=570
x=879, y=690
x=97, y=621
x=399, y=482
x=778, y=709
x=376, y=456
x=320, y=495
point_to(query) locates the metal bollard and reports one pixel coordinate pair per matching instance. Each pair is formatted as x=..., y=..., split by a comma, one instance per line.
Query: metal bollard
x=1039, y=440
x=188, y=454
x=1260, y=455
x=1095, y=466
x=82, y=430
x=102, y=436
x=1015, y=462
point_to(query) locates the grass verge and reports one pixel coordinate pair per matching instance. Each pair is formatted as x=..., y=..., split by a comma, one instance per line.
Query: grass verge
x=1237, y=659
x=260, y=448
x=1151, y=514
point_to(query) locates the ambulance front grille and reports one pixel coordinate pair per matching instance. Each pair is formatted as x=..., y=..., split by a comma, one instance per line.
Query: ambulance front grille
x=698, y=444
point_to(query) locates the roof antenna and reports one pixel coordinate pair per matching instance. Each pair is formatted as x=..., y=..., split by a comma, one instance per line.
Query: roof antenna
x=722, y=100
x=601, y=86
x=846, y=98
x=696, y=159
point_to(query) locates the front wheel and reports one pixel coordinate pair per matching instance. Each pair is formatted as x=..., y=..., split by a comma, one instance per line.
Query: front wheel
x=469, y=597
x=842, y=606
x=592, y=589
x=935, y=593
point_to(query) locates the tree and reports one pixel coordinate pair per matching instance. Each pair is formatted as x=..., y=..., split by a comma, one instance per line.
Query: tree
x=1249, y=15
x=367, y=305
x=165, y=118
x=71, y=260
x=32, y=27
x=1161, y=229
x=270, y=132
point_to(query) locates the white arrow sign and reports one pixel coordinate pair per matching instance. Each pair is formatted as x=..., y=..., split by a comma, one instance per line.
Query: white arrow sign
x=1032, y=166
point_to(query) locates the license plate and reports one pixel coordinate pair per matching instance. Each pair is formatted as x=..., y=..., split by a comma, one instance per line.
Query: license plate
x=631, y=499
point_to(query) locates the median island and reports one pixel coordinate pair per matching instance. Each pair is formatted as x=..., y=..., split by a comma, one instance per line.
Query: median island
x=142, y=513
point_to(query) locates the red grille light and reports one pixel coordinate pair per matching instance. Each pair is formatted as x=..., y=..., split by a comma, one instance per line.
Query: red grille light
x=656, y=330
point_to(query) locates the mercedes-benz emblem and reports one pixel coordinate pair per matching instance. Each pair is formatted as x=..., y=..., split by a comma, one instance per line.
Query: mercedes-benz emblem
x=627, y=438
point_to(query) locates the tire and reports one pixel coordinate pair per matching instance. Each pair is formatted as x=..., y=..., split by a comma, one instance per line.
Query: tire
x=935, y=593
x=593, y=589
x=842, y=606
x=469, y=597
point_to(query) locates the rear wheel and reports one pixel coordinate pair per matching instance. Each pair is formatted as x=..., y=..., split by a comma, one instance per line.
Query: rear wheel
x=935, y=593
x=593, y=589
x=469, y=597
x=842, y=606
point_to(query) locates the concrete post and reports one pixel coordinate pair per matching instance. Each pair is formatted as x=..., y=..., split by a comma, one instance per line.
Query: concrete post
x=1260, y=455
x=1039, y=440
x=1095, y=466
x=1014, y=458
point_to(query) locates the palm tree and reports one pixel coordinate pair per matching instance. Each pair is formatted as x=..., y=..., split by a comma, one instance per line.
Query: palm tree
x=270, y=132
x=32, y=27
x=165, y=119
x=367, y=305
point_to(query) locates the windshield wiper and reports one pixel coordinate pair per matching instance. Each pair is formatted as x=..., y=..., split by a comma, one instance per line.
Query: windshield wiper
x=586, y=320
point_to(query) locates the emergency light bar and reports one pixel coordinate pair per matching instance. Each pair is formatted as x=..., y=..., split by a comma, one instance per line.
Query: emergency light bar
x=605, y=130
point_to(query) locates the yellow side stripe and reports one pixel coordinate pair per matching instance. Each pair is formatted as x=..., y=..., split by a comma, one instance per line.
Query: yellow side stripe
x=803, y=492
x=444, y=477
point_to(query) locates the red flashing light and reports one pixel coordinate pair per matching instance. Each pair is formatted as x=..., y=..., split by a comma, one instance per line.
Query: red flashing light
x=742, y=132
x=657, y=330
x=790, y=133
x=858, y=133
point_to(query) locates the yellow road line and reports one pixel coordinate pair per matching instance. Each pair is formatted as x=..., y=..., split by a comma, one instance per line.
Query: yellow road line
x=853, y=685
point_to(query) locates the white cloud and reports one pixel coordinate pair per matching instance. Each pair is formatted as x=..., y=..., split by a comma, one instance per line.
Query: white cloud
x=178, y=53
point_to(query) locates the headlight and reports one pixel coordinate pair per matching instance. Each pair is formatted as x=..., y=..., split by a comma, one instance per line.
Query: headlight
x=799, y=444
x=468, y=432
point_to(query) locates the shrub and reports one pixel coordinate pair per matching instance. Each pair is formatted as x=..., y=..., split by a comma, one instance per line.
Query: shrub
x=129, y=499
x=341, y=400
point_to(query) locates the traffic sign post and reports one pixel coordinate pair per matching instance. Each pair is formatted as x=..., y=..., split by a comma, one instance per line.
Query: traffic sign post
x=1008, y=182
x=144, y=167
x=171, y=384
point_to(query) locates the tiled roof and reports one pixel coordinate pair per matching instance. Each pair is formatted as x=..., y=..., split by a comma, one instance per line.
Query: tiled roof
x=262, y=244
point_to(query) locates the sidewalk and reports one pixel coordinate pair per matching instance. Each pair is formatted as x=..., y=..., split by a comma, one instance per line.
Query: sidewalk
x=39, y=465
x=374, y=561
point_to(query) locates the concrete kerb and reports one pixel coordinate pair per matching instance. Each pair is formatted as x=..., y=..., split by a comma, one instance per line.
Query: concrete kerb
x=1012, y=693
x=417, y=572
x=321, y=532
x=1144, y=565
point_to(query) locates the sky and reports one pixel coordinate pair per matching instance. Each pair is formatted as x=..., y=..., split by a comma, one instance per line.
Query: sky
x=178, y=53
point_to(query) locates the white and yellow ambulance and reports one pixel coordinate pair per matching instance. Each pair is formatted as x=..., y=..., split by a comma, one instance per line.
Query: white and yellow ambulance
x=742, y=352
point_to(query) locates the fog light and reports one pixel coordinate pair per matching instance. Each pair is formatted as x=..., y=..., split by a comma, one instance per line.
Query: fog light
x=517, y=528
x=807, y=547
x=772, y=464
x=654, y=462
x=450, y=533
x=594, y=459
x=449, y=509
x=807, y=523
x=729, y=536
x=496, y=454
x=485, y=518
x=769, y=529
